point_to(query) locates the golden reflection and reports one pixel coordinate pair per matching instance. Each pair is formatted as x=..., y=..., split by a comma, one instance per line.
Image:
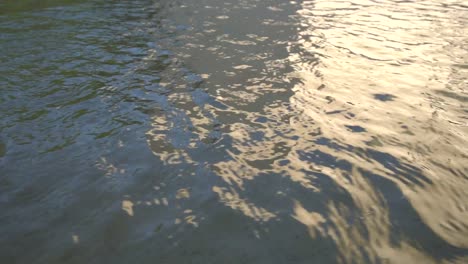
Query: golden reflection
x=367, y=88
x=345, y=128
x=183, y=194
x=232, y=199
x=127, y=206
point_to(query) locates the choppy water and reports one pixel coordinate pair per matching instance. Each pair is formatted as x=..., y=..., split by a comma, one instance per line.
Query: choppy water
x=234, y=131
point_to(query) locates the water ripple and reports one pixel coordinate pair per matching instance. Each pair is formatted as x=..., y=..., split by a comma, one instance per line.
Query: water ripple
x=266, y=131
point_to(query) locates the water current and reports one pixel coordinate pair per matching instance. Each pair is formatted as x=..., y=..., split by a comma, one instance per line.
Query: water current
x=235, y=131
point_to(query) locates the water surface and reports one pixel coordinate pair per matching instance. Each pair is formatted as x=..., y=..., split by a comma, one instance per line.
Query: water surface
x=234, y=131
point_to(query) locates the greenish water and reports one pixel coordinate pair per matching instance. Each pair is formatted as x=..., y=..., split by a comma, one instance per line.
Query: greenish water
x=233, y=131
x=12, y=6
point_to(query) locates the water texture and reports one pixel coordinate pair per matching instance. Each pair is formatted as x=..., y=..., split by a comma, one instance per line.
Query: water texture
x=241, y=131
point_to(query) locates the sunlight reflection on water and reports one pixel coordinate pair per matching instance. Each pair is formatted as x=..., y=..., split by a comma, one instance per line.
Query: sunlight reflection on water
x=236, y=131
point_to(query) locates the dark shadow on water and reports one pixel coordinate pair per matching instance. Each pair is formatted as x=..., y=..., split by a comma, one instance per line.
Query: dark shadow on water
x=384, y=97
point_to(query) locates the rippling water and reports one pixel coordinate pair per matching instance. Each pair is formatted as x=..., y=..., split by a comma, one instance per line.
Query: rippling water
x=229, y=131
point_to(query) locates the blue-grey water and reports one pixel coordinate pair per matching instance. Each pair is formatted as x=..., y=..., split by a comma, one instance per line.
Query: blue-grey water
x=236, y=131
